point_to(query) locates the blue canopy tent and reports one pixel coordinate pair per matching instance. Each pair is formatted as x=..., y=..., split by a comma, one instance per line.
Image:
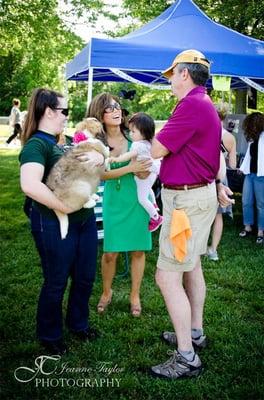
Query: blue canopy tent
x=141, y=55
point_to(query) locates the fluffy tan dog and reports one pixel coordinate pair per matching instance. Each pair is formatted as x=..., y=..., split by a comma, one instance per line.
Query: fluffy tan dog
x=75, y=182
x=92, y=128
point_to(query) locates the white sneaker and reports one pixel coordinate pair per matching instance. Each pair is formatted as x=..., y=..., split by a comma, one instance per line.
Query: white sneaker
x=212, y=254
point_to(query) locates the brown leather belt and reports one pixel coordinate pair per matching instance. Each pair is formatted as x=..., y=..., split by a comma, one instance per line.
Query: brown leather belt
x=184, y=187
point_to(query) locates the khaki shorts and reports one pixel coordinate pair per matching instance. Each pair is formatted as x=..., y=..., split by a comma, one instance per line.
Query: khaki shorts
x=200, y=205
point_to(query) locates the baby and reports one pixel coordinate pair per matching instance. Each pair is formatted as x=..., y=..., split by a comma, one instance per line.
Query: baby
x=75, y=182
x=142, y=130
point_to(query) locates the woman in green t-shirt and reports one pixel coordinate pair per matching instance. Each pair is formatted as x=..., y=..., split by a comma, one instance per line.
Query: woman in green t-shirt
x=125, y=220
x=74, y=256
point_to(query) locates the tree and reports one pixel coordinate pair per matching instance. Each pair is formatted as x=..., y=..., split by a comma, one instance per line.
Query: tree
x=37, y=39
x=35, y=45
x=243, y=16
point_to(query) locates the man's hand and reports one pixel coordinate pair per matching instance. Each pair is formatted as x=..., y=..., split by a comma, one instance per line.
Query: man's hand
x=222, y=194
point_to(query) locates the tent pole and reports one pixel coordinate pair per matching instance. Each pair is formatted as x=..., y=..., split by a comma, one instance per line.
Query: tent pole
x=90, y=87
x=230, y=101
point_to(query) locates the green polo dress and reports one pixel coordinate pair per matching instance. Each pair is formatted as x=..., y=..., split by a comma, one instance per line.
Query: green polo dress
x=125, y=221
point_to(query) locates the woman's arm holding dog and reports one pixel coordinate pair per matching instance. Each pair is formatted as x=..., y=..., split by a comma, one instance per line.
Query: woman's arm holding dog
x=93, y=157
x=31, y=175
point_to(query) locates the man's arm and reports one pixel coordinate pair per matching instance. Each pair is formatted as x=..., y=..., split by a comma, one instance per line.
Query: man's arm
x=223, y=193
x=158, y=150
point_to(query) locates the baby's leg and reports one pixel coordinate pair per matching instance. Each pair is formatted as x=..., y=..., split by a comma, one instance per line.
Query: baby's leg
x=144, y=189
x=152, y=196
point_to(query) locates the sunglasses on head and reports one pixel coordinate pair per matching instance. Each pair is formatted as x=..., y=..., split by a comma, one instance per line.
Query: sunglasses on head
x=64, y=111
x=110, y=107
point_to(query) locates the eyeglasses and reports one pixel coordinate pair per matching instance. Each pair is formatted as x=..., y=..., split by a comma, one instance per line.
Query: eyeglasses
x=110, y=108
x=64, y=111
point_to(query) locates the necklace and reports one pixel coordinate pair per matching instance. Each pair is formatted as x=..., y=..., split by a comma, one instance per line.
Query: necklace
x=119, y=145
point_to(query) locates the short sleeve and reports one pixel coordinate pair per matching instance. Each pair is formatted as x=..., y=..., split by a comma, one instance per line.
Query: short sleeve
x=35, y=150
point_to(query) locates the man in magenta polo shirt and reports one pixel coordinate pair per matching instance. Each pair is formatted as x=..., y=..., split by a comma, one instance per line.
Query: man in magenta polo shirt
x=190, y=146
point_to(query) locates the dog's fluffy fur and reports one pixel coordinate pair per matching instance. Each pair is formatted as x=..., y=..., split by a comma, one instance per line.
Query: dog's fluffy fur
x=75, y=182
x=93, y=128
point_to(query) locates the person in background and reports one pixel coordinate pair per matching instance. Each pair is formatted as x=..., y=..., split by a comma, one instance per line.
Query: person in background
x=190, y=146
x=125, y=221
x=15, y=121
x=74, y=256
x=228, y=148
x=142, y=130
x=253, y=168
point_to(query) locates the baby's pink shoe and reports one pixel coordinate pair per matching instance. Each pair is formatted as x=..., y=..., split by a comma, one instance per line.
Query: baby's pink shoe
x=154, y=224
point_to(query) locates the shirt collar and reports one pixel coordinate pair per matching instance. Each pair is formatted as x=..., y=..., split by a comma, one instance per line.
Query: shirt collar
x=197, y=89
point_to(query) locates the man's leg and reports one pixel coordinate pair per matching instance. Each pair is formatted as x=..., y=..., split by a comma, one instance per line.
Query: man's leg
x=196, y=290
x=183, y=362
x=178, y=306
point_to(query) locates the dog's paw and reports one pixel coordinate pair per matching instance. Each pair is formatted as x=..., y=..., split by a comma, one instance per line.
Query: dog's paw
x=95, y=197
x=89, y=204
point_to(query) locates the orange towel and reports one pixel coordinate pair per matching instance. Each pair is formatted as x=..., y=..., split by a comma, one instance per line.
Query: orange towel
x=180, y=232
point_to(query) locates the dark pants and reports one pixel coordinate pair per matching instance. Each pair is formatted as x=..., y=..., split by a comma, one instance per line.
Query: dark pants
x=74, y=256
x=17, y=131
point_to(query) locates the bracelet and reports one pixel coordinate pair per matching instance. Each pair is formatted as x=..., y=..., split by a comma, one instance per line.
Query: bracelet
x=217, y=181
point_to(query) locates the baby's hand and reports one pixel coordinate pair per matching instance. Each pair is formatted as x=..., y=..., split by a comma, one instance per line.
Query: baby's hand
x=112, y=159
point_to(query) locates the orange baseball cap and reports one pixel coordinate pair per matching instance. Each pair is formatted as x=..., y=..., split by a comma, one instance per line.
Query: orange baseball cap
x=187, y=56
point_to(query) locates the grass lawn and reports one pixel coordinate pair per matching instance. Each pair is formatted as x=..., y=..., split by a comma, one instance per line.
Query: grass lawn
x=4, y=130
x=233, y=323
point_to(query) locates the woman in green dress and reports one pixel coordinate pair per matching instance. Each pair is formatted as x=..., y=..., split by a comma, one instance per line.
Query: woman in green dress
x=125, y=221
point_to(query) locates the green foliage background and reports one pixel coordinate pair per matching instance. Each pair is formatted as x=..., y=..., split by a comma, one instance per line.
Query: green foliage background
x=37, y=40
